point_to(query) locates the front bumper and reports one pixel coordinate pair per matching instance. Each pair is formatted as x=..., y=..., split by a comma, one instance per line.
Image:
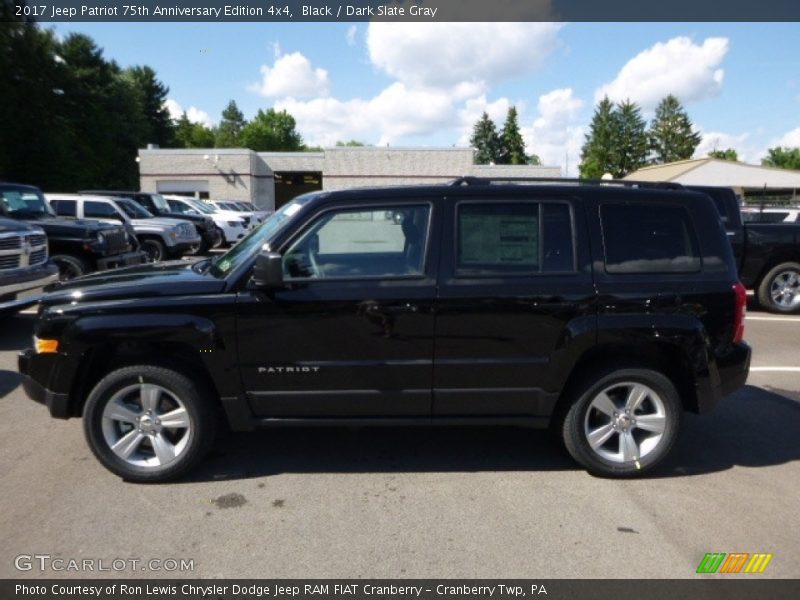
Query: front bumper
x=34, y=368
x=32, y=280
x=121, y=260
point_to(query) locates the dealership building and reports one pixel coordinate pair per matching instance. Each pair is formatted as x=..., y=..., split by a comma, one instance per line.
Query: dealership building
x=270, y=179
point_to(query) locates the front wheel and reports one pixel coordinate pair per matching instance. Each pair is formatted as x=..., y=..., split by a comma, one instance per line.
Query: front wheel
x=147, y=423
x=779, y=291
x=623, y=423
x=154, y=249
x=69, y=267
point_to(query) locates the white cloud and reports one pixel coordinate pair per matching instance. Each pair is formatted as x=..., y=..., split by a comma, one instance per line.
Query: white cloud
x=717, y=140
x=441, y=55
x=291, y=75
x=679, y=67
x=194, y=114
x=397, y=112
x=555, y=135
x=791, y=139
x=350, y=36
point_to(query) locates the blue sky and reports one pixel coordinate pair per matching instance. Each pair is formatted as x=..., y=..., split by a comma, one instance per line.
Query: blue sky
x=425, y=84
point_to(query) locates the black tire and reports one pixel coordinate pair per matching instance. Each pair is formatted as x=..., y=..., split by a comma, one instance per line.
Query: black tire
x=69, y=267
x=787, y=303
x=154, y=249
x=583, y=417
x=124, y=386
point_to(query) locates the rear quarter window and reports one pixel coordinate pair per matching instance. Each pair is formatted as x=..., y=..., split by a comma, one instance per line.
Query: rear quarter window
x=648, y=238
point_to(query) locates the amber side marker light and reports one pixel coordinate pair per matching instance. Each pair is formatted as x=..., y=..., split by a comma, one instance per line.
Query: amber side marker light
x=45, y=346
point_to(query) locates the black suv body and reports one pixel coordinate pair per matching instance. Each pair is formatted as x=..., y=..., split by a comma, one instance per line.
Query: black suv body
x=77, y=246
x=602, y=311
x=157, y=204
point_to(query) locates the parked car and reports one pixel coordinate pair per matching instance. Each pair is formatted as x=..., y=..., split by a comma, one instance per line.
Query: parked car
x=24, y=264
x=77, y=246
x=160, y=238
x=770, y=215
x=156, y=205
x=232, y=228
x=262, y=215
x=767, y=254
x=604, y=312
x=233, y=207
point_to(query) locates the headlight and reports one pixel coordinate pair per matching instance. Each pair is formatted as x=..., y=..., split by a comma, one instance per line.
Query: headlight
x=101, y=238
x=173, y=233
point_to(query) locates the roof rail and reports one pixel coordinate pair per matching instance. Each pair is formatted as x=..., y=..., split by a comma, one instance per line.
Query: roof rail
x=472, y=180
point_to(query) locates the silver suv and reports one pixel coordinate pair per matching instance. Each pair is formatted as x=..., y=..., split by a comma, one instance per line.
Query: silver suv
x=161, y=238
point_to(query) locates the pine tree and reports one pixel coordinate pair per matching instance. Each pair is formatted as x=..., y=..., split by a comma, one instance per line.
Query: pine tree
x=512, y=150
x=631, y=139
x=230, y=127
x=599, y=152
x=671, y=136
x=486, y=141
x=158, y=124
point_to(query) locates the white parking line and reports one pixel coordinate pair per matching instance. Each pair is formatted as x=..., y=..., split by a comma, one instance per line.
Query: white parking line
x=781, y=319
x=775, y=369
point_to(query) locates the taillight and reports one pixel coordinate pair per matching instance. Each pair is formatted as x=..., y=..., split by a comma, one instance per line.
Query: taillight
x=740, y=295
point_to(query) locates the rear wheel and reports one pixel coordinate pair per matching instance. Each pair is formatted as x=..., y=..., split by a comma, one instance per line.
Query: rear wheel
x=147, y=423
x=623, y=423
x=69, y=267
x=779, y=291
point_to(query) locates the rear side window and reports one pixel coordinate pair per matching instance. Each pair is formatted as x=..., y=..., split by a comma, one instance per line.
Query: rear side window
x=99, y=210
x=648, y=238
x=514, y=238
x=64, y=208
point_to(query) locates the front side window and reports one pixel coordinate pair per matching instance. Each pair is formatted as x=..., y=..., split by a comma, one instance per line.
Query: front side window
x=356, y=243
x=65, y=208
x=99, y=210
x=648, y=238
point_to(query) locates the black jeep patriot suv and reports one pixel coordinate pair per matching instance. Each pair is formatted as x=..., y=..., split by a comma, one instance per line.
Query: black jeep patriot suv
x=605, y=311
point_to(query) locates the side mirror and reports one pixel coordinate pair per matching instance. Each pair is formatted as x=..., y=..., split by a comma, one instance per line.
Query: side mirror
x=268, y=271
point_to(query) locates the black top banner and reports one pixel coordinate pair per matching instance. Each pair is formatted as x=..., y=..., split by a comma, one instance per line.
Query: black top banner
x=404, y=10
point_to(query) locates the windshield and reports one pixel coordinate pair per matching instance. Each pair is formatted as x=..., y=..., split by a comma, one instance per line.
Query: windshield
x=201, y=206
x=23, y=204
x=160, y=202
x=134, y=210
x=261, y=236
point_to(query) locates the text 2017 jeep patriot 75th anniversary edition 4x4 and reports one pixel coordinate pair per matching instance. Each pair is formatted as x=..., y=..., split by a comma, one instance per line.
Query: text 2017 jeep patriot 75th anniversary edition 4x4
x=605, y=311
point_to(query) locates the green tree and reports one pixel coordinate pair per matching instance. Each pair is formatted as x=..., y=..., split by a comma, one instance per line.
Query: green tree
x=272, y=131
x=671, y=135
x=193, y=135
x=512, y=146
x=630, y=139
x=783, y=158
x=727, y=154
x=159, y=128
x=599, y=151
x=351, y=144
x=229, y=131
x=486, y=141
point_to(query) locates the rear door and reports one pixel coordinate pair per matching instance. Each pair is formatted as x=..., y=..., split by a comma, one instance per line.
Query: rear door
x=515, y=297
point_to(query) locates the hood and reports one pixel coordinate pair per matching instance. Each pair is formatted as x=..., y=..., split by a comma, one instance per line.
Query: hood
x=173, y=278
x=54, y=226
x=12, y=226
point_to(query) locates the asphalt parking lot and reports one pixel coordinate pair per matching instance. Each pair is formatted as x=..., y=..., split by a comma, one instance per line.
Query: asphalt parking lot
x=396, y=503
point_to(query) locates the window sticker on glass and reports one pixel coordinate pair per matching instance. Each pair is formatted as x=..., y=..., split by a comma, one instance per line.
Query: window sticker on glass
x=495, y=237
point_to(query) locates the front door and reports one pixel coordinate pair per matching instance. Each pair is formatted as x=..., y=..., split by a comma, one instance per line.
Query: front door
x=351, y=334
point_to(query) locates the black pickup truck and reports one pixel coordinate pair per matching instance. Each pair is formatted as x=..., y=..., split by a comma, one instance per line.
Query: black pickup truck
x=603, y=311
x=76, y=246
x=767, y=254
x=210, y=236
